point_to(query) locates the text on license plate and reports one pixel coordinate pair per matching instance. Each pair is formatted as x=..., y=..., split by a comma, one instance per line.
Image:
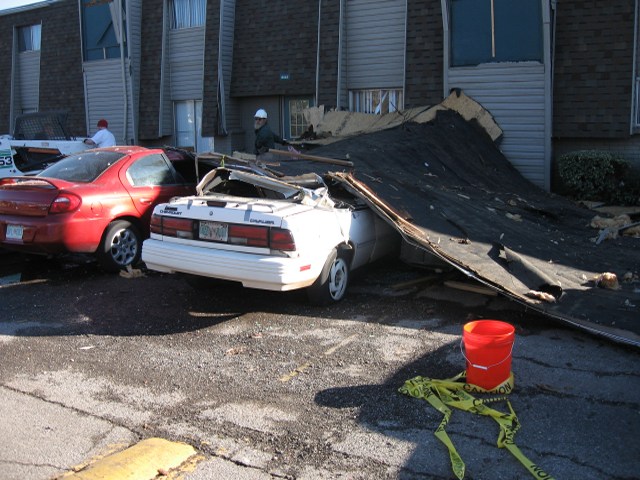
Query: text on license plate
x=215, y=231
x=14, y=232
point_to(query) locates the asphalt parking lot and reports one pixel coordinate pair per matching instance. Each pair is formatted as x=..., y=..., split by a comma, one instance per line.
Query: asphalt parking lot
x=261, y=385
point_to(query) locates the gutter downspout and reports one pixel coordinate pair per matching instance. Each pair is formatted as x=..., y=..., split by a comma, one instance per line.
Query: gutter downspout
x=404, y=60
x=340, y=42
x=548, y=45
x=444, y=5
x=165, y=24
x=635, y=101
x=318, y=55
x=221, y=92
x=125, y=121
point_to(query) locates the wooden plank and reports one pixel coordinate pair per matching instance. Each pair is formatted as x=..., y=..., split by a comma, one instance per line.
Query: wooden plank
x=471, y=288
x=314, y=158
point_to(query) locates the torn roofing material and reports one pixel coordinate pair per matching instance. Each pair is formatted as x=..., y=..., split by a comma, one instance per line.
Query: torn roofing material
x=450, y=191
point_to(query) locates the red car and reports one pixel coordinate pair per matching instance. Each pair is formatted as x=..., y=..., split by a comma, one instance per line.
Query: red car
x=97, y=201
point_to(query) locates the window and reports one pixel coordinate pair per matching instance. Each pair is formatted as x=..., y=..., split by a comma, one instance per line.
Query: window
x=29, y=38
x=376, y=101
x=484, y=31
x=297, y=123
x=151, y=170
x=103, y=29
x=187, y=13
x=188, y=129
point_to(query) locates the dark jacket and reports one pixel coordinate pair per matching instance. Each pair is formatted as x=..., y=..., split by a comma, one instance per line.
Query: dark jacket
x=266, y=139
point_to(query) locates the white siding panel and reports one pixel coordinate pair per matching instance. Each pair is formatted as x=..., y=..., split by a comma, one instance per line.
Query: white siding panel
x=186, y=60
x=28, y=73
x=107, y=97
x=375, y=43
x=514, y=93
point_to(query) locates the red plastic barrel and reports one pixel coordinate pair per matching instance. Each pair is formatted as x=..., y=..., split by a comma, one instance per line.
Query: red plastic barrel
x=487, y=348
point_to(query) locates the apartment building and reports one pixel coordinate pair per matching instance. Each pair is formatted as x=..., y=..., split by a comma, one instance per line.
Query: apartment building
x=557, y=75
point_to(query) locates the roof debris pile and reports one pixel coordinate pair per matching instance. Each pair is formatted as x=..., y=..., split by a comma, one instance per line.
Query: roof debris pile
x=450, y=191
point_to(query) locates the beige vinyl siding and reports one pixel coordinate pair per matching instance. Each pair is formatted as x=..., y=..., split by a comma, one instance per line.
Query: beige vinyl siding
x=514, y=93
x=28, y=81
x=106, y=97
x=186, y=60
x=375, y=43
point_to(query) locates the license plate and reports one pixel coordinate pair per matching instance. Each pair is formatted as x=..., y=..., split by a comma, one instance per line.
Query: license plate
x=14, y=232
x=218, y=232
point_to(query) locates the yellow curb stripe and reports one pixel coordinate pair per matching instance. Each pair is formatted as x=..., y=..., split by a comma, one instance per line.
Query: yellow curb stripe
x=142, y=461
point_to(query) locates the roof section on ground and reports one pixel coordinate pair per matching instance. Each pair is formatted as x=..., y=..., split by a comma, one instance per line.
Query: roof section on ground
x=450, y=192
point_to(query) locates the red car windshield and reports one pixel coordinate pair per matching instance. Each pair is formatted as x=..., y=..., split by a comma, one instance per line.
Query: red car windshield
x=82, y=167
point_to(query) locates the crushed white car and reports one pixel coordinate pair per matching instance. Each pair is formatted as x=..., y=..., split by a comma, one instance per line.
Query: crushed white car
x=248, y=226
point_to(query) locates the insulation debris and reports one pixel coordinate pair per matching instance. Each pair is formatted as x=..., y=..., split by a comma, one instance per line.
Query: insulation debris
x=607, y=280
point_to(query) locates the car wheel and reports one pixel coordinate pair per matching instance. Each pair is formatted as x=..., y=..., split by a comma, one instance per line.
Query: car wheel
x=332, y=283
x=120, y=247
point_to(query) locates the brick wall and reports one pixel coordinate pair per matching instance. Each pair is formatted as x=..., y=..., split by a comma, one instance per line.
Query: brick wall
x=6, y=42
x=424, y=82
x=151, y=52
x=273, y=38
x=593, y=68
x=210, y=88
x=61, y=81
x=329, y=37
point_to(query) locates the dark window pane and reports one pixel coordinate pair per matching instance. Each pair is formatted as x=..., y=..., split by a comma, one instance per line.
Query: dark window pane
x=100, y=29
x=518, y=30
x=470, y=32
x=151, y=170
x=28, y=38
x=81, y=167
x=24, y=39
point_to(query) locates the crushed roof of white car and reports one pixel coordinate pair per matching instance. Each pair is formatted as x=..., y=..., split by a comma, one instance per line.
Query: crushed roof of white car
x=246, y=224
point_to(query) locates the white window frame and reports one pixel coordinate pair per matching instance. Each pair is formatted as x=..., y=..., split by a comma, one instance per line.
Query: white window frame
x=188, y=126
x=297, y=122
x=376, y=101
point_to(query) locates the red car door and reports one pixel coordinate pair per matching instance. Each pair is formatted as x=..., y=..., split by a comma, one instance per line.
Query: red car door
x=151, y=179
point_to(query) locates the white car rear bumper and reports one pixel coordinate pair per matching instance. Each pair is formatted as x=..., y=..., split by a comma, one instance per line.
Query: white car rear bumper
x=254, y=271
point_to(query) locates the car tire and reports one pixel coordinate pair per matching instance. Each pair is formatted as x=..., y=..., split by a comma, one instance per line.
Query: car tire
x=332, y=283
x=121, y=246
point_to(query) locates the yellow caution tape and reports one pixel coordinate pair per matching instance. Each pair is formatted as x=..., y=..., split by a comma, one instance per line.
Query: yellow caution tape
x=451, y=392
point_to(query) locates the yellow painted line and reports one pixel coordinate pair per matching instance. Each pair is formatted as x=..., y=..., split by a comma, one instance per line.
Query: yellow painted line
x=295, y=372
x=341, y=344
x=143, y=461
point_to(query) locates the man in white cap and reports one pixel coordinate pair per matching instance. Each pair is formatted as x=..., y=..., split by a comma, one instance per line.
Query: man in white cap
x=103, y=137
x=265, y=138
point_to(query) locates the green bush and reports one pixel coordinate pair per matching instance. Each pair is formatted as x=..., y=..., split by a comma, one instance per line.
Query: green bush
x=599, y=176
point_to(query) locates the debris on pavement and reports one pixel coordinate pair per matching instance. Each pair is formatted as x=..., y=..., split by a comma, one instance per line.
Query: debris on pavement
x=607, y=280
x=516, y=237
